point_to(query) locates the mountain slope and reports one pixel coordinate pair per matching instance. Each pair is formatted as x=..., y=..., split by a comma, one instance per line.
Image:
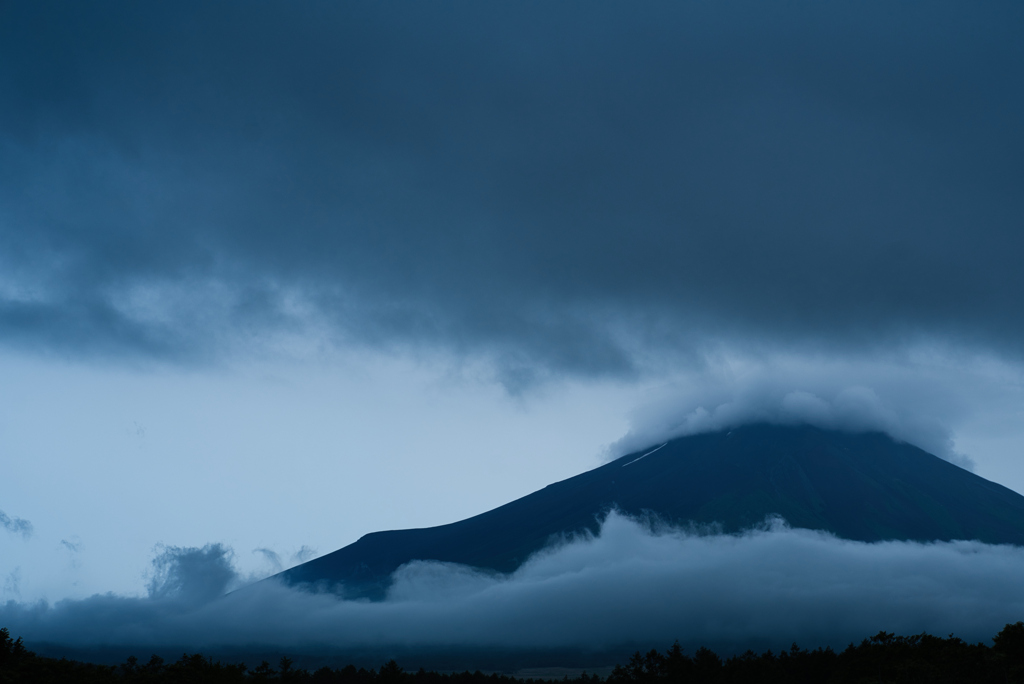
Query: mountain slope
x=858, y=486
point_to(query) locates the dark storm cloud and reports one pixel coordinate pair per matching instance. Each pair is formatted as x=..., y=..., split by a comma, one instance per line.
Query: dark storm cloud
x=767, y=587
x=558, y=187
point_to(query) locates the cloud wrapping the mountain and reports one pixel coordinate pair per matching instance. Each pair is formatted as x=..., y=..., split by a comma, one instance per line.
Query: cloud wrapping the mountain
x=630, y=584
x=920, y=401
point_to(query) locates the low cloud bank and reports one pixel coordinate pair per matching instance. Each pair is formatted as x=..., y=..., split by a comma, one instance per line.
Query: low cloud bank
x=630, y=584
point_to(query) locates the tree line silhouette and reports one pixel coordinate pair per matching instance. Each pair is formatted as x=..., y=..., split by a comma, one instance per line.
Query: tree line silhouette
x=884, y=657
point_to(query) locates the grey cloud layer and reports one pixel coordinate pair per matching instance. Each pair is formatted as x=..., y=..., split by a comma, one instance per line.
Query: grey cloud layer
x=561, y=187
x=630, y=584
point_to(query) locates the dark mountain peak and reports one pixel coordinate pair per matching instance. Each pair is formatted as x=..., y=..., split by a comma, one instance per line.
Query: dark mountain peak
x=861, y=486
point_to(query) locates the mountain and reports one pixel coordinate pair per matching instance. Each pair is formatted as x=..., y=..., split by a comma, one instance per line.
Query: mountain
x=863, y=486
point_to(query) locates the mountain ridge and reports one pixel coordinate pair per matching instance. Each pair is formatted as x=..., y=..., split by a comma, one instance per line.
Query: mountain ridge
x=860, y=486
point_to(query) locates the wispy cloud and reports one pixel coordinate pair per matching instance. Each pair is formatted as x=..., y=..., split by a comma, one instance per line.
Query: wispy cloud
x=304, y=554
x=16, y=525
x=272, y=558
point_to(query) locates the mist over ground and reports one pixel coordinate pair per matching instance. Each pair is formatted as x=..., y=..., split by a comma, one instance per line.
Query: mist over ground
x=636, y=582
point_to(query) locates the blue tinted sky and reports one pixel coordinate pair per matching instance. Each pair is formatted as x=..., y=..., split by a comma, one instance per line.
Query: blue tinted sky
x=278, y=275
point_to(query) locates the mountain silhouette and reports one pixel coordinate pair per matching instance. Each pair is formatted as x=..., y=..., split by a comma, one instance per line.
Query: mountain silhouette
x=860, y=486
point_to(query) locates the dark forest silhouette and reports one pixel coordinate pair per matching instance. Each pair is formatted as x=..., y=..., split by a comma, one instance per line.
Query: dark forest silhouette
x=884, y=657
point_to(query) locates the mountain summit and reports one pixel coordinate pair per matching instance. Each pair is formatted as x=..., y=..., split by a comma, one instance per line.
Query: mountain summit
x=865, y=486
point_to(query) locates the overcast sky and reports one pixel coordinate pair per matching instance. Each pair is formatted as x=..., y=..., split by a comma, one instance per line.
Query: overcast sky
x=275, y=275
